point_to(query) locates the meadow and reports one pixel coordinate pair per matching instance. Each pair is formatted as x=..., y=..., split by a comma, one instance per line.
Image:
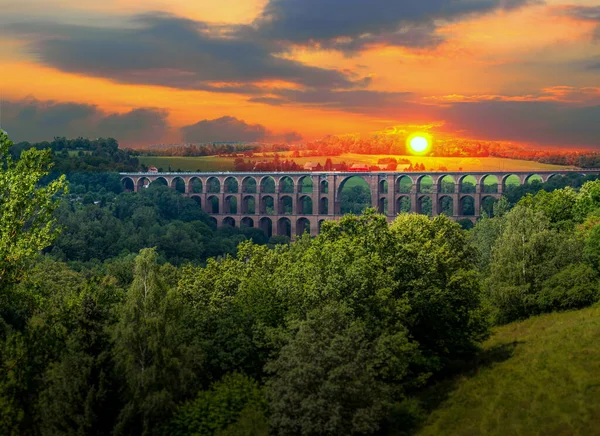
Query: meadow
x=536, y=377
x=217, y=163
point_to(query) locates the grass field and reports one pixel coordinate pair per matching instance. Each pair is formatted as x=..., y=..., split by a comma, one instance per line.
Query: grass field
x=215, y=163
x=542, y=377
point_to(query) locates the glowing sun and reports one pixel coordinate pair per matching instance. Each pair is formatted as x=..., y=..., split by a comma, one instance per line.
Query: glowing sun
x=419, y=144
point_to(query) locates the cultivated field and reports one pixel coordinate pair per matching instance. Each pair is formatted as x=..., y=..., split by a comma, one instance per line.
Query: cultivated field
x=215, y=163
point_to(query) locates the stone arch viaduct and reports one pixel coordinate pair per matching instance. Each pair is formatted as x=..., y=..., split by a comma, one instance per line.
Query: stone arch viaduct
x=292, y=203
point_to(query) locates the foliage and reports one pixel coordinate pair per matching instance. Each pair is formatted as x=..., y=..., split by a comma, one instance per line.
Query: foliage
x=26, y=222
x=153, y=350
x=331, y=379
x=538, y=257
x=155, y=217
x=217, y=410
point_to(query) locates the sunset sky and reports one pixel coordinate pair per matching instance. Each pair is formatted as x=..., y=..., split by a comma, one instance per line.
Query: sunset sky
x=275, y=70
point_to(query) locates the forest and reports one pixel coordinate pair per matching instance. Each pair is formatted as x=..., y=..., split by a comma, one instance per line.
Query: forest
x=128, y=314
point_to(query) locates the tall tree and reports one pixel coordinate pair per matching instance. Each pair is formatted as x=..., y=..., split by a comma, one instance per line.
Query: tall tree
x=157, y=359
x=26, y=222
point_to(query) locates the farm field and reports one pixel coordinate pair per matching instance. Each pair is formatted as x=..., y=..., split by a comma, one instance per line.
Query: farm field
x=216, y=163
x=536, y=377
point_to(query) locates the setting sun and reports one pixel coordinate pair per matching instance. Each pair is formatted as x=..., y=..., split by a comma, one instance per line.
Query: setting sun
x=418, y=143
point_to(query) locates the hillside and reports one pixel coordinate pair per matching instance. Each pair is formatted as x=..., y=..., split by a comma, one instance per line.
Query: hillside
x=543, y=378
x=217, y=163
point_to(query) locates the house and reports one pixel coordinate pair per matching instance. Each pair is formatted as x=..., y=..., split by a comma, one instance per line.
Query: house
x=359, y=168
x=311, y=166
x=152, y=169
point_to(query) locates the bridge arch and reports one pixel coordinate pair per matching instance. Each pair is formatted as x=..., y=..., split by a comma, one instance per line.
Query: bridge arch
x=489, y=184
x=286, y=205
x=305, y=205
x=128, y=184
x=231, y=185
x=159, y=181
x=143, y=182
x=510, y=180
x=446, y=206
x=231, y=205
x=467, y=184
x=354, y=195
x=382, y=206
x=324, y=206
x=213, y=185
x=324, y=187
x=284, y=227
x=305, y=185
x=302, y=226
x=266, y=225
x=487, y=205
x=403, y=204
x=249, y=204
x=425, y=185
x=446, y=185
x=383, y=187
x=178, y=184
x=286, y=185
x=347, y=179
x=267, y=185
x=556, y=176
x=249, y=185
x=533, y=178
x=213, y=222
x=467, y=206
x=267, y=205
x=425, y=205
x=404, y=184
x=212, y=204
x=247, y=222
x=229, y=221
x=195, y=185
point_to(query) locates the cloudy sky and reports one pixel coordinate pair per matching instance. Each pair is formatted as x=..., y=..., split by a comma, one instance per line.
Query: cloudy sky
x=157, y=71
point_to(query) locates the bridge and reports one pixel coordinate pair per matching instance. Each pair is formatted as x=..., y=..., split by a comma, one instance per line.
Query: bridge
x=290, y=203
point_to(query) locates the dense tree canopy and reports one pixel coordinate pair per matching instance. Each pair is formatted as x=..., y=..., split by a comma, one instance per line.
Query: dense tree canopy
x=141, y=318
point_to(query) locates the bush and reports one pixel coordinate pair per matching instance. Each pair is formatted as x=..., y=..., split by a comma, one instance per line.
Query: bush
x=235, y=397
x=574, y=287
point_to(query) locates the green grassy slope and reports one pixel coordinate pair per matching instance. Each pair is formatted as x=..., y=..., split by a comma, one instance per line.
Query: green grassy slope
x=543, y=379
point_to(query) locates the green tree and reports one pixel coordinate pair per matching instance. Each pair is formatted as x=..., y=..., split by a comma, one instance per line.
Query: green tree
x=528, y=253
x=235, y=396
x=153, y=350
x=80, y=394
x=327, y=380
x=26, y=222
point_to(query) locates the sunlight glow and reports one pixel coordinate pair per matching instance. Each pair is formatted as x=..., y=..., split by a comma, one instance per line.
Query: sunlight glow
x=418, y=143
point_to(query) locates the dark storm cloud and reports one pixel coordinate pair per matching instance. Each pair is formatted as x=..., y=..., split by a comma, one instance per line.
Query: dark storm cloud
x=224, y=129
x=34, y=120
x=353, y=24
x=159, y=49
x=544, y=123
x=142, y=123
